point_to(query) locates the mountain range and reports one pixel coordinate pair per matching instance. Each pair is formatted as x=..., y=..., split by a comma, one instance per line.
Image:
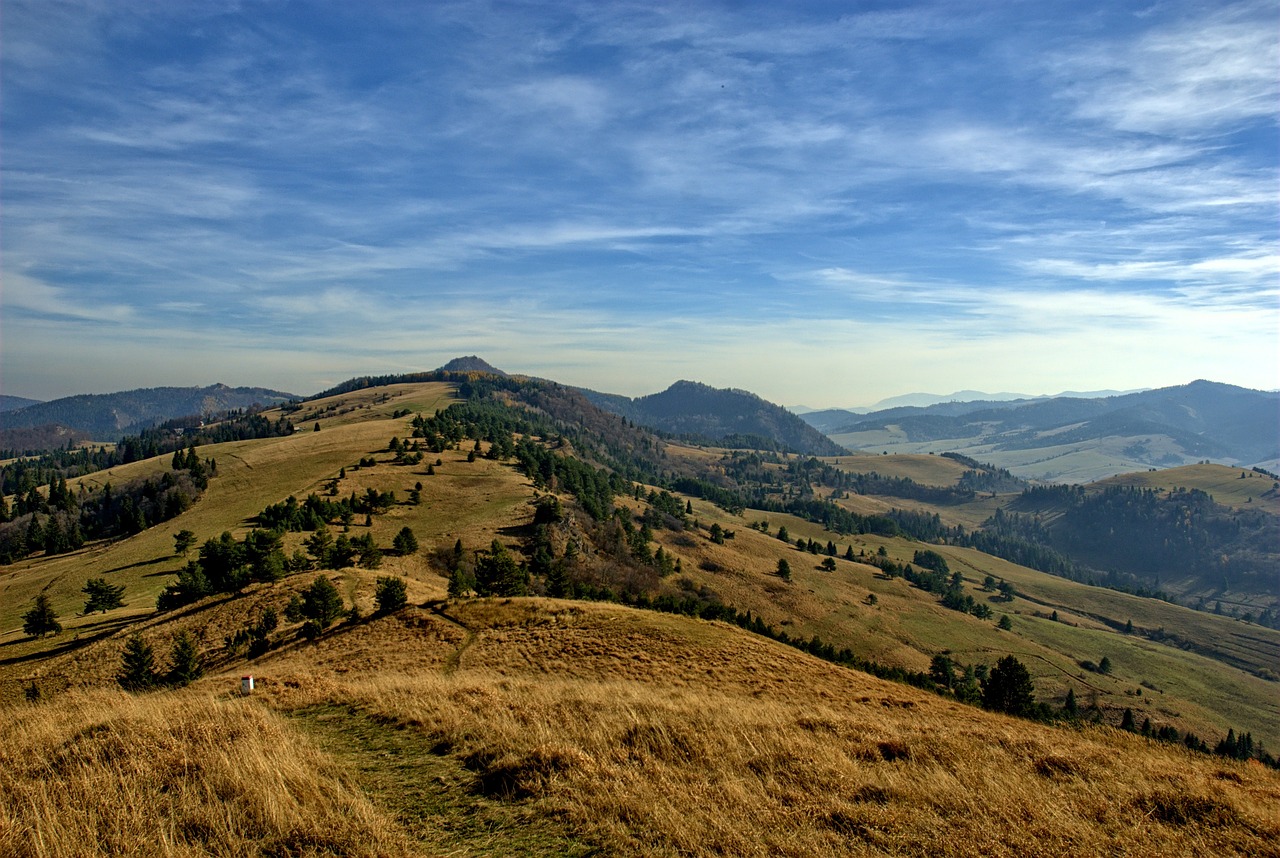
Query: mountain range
x=478, y=609
x=1072, y=439
x=108, y=416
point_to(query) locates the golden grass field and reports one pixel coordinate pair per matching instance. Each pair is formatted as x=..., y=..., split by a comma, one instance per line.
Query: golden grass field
x=532, y=726
x=544, y=727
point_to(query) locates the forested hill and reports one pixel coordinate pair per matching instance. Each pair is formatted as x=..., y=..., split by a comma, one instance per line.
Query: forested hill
x=107, y=416
x=13, y=403
x=1203, y=419
x=733, y=418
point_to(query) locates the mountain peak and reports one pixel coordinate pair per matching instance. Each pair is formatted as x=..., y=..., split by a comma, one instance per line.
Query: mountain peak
x=470, y=363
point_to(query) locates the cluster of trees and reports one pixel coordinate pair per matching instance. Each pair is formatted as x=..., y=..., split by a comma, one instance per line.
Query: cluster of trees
x=140, y=672
x=40, y=469
x=63, y=521
x=290, y=516
x=227, y=565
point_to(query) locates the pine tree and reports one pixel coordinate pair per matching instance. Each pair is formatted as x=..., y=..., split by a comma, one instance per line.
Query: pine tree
x=460, y=583
x=102, y=596
x=185, y=663
x=321, y=602
x=1070, y=707
x=137, y=665
x=389, y=594
x=1127, y=722
x=784, y=569
x=183, y=540
x=405, y=543
x=41, y=619
x=1009, y=688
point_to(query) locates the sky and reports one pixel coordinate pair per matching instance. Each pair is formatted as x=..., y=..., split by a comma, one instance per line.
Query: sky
x=824, y=203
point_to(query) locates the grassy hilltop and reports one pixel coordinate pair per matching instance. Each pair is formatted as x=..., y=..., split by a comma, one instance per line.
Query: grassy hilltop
x=536, y=725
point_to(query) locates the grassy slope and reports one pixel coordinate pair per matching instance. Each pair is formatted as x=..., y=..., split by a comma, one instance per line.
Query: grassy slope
x=907, y=626
x=251, y=475
x=1066, y=463
x=1223, y=483
x=538, y=727
x=624, y=731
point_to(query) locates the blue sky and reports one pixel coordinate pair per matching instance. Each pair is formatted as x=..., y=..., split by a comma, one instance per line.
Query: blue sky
x=826, y=204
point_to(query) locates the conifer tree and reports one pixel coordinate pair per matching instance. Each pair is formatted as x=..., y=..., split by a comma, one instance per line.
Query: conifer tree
x=321, y=602
x=182, y=542
x=102, y=596
x=1009, y=688
x=41, y=619
x=137, y=665
x=405, y=543
x=389, y=594
x=185, y=663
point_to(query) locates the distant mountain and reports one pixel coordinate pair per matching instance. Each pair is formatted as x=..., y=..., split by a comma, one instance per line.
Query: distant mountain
x=108, y=416
x=470, y=363
x=923, y=400
x=13, y=403
x=1168, y=426
x=731, y=417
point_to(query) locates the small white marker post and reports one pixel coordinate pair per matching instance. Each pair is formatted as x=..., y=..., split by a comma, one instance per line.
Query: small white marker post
x=246, y=685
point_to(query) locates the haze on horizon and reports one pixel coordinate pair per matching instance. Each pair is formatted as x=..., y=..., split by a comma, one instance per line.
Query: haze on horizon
x=821, y=205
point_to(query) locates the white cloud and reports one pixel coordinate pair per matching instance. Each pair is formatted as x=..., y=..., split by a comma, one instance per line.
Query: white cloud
x=30, y=295
x=1191, y=77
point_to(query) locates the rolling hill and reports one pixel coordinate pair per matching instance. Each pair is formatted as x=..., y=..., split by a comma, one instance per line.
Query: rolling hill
x=1070, y=439
x=639, y=678
x=107, y=416
x=730, y=417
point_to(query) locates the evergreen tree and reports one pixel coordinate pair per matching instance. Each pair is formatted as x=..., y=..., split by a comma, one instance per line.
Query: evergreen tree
x=784, y=569
x=102, y=596
x=41, y=619
x=190, y=586
x=1127, y=722
x=185, y=663
x=321, y=602
x=942, y=670
x=405, y=543
x=223, y=563
x=498, y=573
x=319, y=545
x=389, y=594
x=1005, y=623
x=183, y=540
x=1009, y=688
x=1070, y=707
x=137, y=665
x=1104, y=666
x=461, y=583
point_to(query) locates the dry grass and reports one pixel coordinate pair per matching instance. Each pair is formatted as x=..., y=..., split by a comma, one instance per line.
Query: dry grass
x=174, y=774
x=529, y=726
x=923, y=468
x=1224, y=483
x=661, y=736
